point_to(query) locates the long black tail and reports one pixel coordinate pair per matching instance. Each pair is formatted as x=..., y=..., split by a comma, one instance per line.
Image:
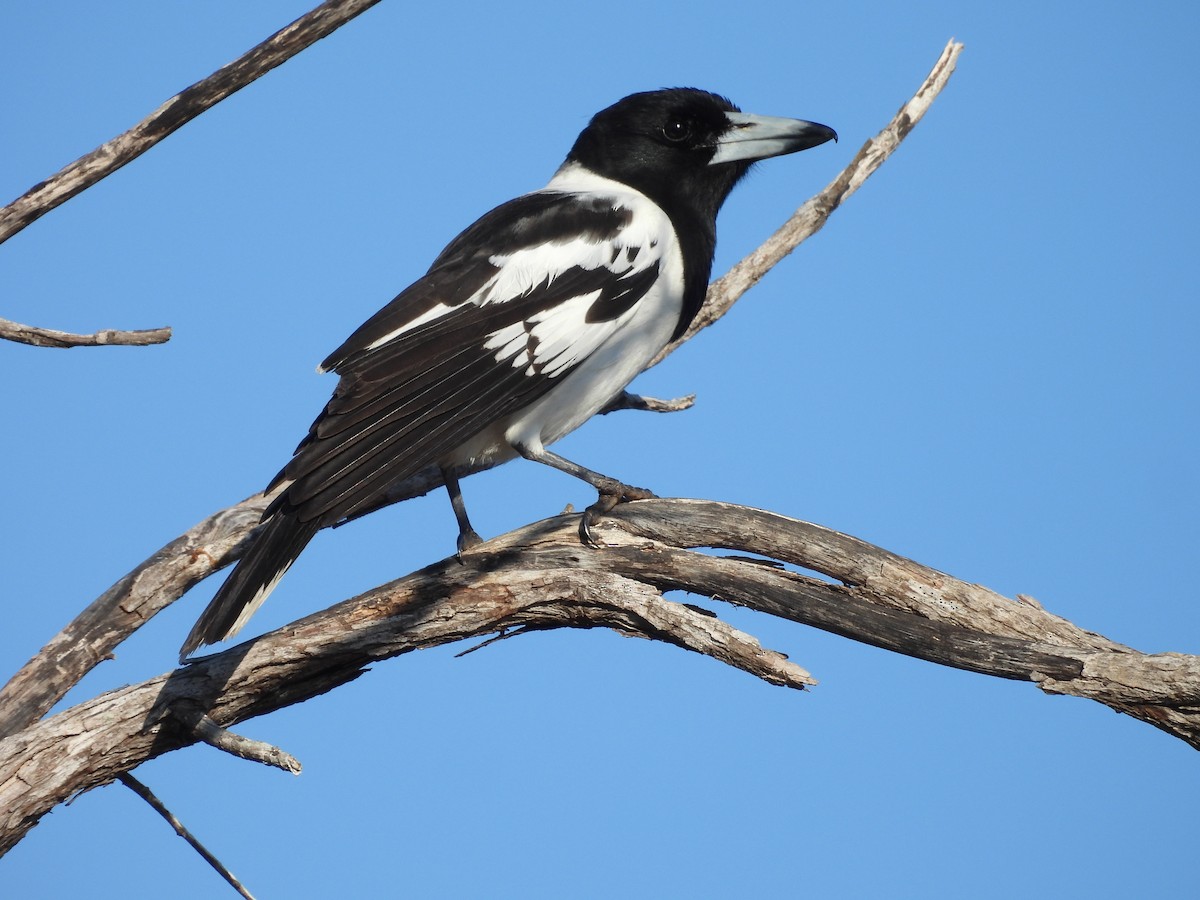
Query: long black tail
x=271, y=554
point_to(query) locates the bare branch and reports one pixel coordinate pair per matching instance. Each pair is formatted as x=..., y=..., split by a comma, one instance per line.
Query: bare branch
x=483, y=593
x=93, y=635
x=177, y=112
x=812, y=216
x=540, y=577
x=243, y=747
x=626, y=400
x=159, y=807
x=47, y=337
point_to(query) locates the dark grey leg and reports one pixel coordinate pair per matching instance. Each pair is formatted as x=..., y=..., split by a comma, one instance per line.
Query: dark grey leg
x=610, y=490
x=467, y=536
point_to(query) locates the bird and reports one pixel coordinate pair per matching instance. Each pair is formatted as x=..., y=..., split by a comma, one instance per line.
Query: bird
x=527, y=324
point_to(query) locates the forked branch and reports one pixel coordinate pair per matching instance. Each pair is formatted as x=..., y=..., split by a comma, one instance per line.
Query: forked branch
x=162, y=122
x=541, y=577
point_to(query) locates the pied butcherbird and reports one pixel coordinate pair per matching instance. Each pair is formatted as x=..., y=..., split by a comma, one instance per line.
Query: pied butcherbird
x=528, y=324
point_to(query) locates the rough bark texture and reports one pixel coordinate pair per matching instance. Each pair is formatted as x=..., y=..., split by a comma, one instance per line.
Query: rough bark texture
x=48, y=337
x=92, y=636
x=541, y=577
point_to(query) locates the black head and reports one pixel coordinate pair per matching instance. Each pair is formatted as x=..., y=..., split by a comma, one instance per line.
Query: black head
x=685, y=148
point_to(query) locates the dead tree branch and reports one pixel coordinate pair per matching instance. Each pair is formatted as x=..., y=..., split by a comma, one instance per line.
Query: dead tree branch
x=95, y=633
x=225, y=740
x=812, y=216
x=626, y=400
x=541, y=577
x=123, y=149
x=171, y=819
x=48, y=337
x=177, y=112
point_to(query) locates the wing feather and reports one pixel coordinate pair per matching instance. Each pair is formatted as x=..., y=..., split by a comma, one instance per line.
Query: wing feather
x=488, y=331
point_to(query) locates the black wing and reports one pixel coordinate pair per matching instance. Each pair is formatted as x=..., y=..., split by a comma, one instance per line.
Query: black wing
x=513, y=304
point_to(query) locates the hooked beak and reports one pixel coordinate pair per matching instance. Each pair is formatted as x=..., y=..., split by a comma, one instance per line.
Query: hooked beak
x=759, y=137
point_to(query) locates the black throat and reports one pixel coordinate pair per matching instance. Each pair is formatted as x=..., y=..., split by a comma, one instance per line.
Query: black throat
x=627, y=143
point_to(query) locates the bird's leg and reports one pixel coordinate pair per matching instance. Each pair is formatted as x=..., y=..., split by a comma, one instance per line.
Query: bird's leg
x=467, y=536
x=610, y=490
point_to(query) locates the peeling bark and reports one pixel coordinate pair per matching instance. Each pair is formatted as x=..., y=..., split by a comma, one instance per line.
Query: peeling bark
x=540, y=577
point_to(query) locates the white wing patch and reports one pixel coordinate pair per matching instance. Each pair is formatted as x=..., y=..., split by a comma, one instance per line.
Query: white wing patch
x=526, y=269
x=553, y=341
x=529, y=268
x=564, y=336
x=428, y=316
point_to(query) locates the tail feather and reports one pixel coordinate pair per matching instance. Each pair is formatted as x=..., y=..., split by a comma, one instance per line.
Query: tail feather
x=269, y=556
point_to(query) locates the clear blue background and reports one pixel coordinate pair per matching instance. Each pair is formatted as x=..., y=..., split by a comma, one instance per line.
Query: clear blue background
x=987, y=362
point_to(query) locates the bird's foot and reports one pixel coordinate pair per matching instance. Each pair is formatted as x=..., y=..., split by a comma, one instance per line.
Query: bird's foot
x=611, y=492
x=468, y=539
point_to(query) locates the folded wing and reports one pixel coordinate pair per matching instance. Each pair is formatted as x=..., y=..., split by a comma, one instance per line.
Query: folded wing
x=489, y=330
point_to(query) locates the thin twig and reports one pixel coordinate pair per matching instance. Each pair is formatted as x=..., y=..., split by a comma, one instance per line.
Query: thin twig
x=48, y=337
x=157, y=805
x=812, y=216
x=243, y=747
x=177, y=112
x=626, y=400
x=503, y=635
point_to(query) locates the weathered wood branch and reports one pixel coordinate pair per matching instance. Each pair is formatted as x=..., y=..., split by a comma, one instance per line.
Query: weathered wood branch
x=626, y=400
x=177, y=112
x=48, y=337
x=95, y=633
x=159, y=807
x=541, y=577
x=812, y=216
x=226, y=741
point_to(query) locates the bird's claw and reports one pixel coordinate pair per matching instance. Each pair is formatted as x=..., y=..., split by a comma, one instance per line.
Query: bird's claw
x=610, y=495
x=468, y=540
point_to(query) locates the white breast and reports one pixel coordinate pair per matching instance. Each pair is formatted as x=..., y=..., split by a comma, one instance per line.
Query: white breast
x=606, y=357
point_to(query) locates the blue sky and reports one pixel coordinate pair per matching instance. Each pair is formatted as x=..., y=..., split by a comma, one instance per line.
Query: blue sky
x=985, y=362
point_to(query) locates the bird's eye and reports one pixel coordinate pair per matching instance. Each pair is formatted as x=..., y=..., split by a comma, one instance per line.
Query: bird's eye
x=677, y=130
